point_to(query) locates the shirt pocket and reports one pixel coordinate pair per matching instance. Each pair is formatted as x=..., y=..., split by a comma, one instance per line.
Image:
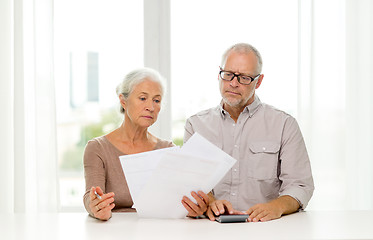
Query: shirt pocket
x=263, y=160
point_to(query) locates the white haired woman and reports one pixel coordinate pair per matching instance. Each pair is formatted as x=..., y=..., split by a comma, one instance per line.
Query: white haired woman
x=140, y=95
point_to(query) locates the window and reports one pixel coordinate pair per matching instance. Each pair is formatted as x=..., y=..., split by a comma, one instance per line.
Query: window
x=198, y=43
x=96, y=44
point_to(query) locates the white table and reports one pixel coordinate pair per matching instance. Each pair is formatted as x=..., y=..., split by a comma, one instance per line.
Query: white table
x=126, y=226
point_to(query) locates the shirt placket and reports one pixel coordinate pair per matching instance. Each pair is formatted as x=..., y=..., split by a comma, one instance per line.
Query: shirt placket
x=234, y=193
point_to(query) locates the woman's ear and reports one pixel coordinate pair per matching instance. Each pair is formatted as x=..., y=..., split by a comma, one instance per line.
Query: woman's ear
x=122, y=101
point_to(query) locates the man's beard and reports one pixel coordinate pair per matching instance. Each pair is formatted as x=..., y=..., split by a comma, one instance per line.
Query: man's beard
x=232, y=102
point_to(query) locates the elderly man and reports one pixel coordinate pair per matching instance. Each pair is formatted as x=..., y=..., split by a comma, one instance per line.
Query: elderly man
x=272, y=175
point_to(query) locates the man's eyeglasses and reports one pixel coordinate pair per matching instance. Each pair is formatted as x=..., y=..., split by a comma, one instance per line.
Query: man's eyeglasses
x=241, y=78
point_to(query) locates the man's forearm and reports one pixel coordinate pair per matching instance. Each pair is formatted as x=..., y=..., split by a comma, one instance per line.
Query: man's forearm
x=287, y=204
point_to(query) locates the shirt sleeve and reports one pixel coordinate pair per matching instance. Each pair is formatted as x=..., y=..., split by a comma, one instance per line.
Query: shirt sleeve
x=94, y=171
x=295, y=171
x=189, y=131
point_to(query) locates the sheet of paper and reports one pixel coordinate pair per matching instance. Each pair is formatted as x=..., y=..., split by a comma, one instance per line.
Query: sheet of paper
x=176, y=175
x=200, y=146
x=138, y=168
x=158, y=180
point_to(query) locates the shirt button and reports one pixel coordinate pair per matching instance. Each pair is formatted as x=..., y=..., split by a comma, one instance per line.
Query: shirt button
x=233, y=124
x=236, y=146
x=234, y=170
x=233, y=194
x=264, y=148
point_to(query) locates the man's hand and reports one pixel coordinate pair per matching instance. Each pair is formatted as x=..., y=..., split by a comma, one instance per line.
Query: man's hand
x=195, y=210
x=273, y=209
x=263, y=212
x=219, y=207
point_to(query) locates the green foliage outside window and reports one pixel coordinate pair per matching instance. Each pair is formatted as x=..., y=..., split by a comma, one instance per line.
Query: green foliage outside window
x=72, y=159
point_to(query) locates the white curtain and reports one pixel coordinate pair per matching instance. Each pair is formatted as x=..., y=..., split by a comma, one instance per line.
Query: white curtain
x=27, y=103
x=335, y=103
x=359, y=103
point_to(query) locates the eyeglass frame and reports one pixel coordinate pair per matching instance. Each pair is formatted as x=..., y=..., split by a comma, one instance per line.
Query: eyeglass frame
x=238, y=76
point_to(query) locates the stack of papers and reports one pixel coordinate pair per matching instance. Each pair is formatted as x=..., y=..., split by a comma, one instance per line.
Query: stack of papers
x=159, y=179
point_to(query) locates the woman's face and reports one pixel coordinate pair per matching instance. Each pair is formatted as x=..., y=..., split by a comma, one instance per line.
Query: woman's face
x=143, y=103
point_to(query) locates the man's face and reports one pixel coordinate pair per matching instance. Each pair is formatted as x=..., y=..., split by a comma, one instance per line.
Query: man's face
x=234, y=93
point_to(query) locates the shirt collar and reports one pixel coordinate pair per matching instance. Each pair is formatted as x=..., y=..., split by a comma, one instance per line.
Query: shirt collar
x=250, y=109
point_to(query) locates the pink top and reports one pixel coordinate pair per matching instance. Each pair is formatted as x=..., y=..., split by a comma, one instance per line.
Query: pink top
x=102, y=168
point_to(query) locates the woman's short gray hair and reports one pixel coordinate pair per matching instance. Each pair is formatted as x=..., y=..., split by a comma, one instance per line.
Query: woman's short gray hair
x=138, y=76
x=243, y=48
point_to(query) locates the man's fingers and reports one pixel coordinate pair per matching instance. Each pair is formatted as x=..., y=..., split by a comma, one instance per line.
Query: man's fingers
x=214, y=209
x=258, y=216
x=229, y=207
x=266, y=218
x=210, y=215
x=250, y=211
x=221, y=206
x=254, y=215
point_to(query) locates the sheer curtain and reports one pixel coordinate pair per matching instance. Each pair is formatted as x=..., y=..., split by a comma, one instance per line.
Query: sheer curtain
x=28, y=142
x=359, y=103
x=335, y=103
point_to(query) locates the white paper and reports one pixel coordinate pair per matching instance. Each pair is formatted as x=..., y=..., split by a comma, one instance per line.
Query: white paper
x=139, y=167
x=159, y=179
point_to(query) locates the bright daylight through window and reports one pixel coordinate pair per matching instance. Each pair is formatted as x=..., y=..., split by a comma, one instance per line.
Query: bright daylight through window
x=96, y=44
x=100, y=41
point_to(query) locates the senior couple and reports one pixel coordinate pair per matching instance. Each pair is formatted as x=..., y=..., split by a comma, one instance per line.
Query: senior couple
x=272, y=176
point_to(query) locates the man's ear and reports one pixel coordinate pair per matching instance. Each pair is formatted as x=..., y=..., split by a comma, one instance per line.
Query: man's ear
x=260, y=79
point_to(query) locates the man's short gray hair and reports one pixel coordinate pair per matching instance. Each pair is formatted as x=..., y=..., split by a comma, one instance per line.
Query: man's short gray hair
x=136, y=77
x=243, y=48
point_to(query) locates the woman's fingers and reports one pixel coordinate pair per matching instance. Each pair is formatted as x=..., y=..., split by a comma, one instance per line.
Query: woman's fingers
x=102, y=204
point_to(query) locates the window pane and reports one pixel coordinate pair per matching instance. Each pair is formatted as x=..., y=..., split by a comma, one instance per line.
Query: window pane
x=96, y=44
x=269, y=25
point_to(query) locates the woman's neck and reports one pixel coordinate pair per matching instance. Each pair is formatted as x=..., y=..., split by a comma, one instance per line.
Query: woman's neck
x=131, y=139
x=132, y=134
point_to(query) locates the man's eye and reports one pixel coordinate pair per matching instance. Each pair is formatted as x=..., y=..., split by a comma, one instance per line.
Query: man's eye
x=246, y=78
x=157, y=101
x=142, y=98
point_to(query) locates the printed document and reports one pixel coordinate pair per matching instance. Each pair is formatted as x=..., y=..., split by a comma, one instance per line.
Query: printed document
x=159, y=179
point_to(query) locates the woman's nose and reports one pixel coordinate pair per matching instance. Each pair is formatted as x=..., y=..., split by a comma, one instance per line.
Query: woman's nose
x=150, y=106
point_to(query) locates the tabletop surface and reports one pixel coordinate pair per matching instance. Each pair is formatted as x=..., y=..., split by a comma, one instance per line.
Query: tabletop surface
x=302, y=225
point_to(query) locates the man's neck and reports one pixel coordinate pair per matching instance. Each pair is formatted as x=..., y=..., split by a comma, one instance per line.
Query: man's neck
x=235, y=111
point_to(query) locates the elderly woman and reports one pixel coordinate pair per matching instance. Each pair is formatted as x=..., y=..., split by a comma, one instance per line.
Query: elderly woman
x=140, y=95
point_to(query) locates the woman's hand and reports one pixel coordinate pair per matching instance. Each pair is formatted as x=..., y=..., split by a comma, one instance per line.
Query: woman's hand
x=101, y=208
x=195, y=210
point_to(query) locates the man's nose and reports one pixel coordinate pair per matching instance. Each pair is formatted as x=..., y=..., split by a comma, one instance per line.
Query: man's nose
x=234, y=82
